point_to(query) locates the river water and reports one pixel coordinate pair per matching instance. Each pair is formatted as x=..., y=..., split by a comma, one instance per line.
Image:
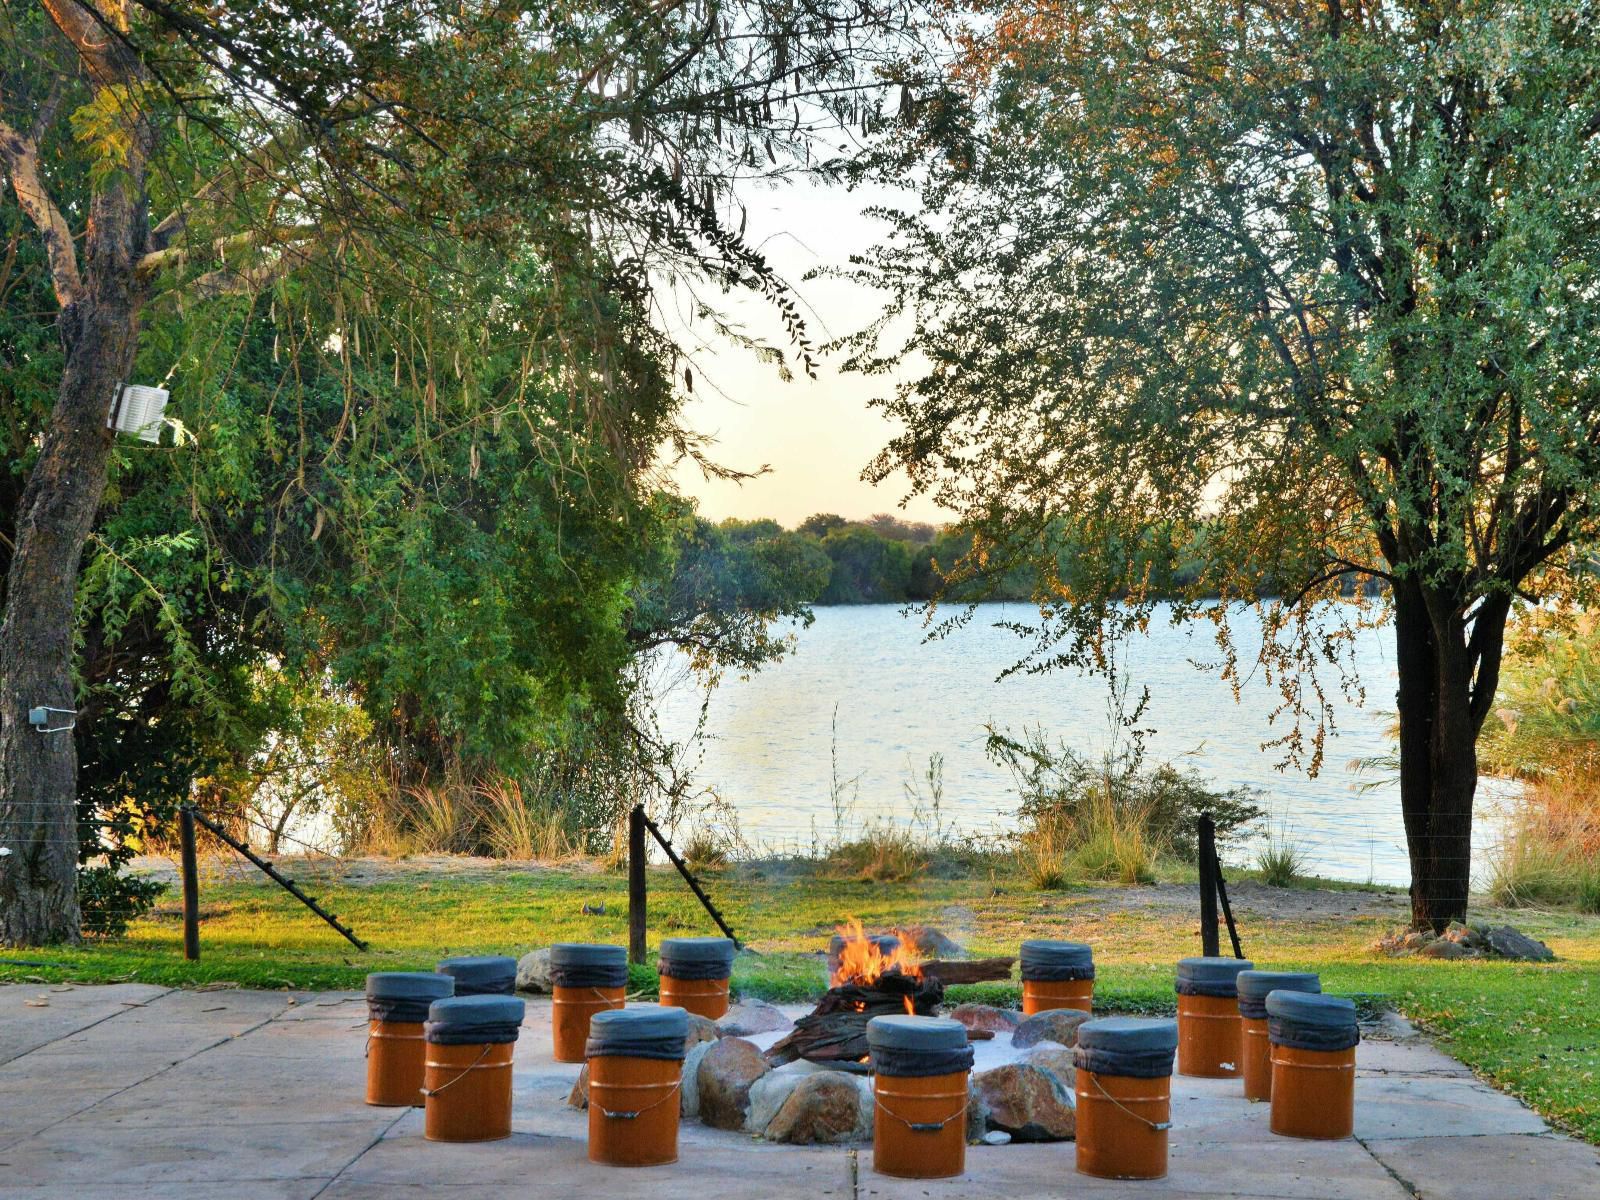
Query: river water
x=866, y=695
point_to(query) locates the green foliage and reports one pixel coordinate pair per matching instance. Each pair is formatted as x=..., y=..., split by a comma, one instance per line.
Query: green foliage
x=1280, y=859
x=867, y=567
x=1116, y=800
x=111, y=901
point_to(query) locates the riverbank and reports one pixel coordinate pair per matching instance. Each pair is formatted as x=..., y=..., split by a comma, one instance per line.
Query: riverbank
x=1533, y=1030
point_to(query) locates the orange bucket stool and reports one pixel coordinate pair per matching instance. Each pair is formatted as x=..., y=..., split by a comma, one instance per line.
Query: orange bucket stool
x=1056, y=975
x=1208, y=1016
x=467, y=1080
x=397, y=1006
x=695, y=973
x=1124, y=1094
x=1255, y=1056
x=635, y=1072
x=1314, y=1041
x=585, y=979
x=920, y=1067
x=481, y=975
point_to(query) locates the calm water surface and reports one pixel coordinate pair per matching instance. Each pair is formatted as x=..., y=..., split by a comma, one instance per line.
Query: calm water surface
x=865, y=687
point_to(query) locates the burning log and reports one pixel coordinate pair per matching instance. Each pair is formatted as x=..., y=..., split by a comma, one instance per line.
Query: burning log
x=836, y=1031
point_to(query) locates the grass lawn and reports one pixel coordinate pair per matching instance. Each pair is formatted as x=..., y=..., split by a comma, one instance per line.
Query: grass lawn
x=1533, y=1030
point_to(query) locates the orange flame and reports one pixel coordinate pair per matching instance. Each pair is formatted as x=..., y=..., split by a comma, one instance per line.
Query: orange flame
x=862, y=961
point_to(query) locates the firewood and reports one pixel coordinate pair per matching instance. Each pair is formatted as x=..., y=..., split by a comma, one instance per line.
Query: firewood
x=977, y=970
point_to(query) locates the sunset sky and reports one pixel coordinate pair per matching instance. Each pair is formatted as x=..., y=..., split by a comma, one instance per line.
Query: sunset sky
x=816, y=435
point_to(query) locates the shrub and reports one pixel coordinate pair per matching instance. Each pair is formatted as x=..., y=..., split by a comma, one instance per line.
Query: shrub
x=521, y=822
x=705, y=849
x=1280, y=859
x=884, y=853
x=1041, y=856
x=110, y=901
x=1116, y=843
x=1055, y=782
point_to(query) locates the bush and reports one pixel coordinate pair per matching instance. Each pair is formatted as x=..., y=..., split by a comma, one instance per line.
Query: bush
x=884, y=853
x=110, y=901
x=705, y=849
x=1041, y=856
x=1109, y=800
x=1281, y=861
x=1116, y=843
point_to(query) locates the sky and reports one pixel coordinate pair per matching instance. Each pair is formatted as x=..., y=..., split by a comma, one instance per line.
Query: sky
x=815, y=435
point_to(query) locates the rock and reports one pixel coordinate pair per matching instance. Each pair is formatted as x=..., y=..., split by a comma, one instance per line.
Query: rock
x=689, y=1088
x=767, y=1096
x=986, y=1016
x=701, y=1029
x=1464, y=935
x=752, y=1016
x=824, y=1110
x=578, y=1097
x=1028, y=1103
x=1444, y=948
x=1416, y=939
x=1511, y=943
x=533, y=972
x=725, y=1076
x=997, y=1137
x=1057, y=1060
x=1055, y=1025
x=924, y=941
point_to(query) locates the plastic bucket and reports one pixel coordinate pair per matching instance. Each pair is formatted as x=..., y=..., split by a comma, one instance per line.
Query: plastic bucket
x=633, y=1111
x=572, y=1008
x=396, y=1051
x=397, y=1007
x=1041, y=995
x=703, y=997
x=1255, y=1058
x=1314, y=1041
x=1122, y=1125
x=467, y=1071
x=468, y=1091
x=1313, y=1092
x=1255, y=1053
x=481, y=974
x=919, y=1130
x=1208, y=1036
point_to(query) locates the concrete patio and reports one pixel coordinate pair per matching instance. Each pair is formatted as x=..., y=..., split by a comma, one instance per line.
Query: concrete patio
x=132, y=1091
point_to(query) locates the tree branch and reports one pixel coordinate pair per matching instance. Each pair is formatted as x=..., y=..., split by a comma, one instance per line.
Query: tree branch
x=21, y=157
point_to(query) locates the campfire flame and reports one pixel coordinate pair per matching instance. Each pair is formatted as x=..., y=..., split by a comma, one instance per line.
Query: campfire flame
x=862, y=961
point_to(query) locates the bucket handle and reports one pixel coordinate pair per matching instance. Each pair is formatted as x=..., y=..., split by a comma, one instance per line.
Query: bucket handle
x=465, y=1071
x=923, y=1126
x=638, y=1112
x=1155, y=1126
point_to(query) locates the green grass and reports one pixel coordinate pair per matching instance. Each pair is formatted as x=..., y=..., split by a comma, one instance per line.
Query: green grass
x=1532, y=1030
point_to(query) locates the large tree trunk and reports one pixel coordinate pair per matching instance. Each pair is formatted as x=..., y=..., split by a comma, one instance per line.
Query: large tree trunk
x=1438, y=760
x=38, y=771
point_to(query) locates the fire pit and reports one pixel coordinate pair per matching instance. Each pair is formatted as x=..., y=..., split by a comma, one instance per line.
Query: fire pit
x=873, y=976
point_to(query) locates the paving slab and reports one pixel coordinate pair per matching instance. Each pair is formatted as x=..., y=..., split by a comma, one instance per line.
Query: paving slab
x=258, y=1096
x=1505, y=1167
x=34, y=1015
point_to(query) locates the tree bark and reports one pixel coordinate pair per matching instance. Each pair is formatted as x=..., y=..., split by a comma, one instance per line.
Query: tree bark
x=39, y=771
x=1438, y=759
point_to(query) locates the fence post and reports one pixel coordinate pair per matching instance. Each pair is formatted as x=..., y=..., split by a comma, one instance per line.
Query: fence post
x=191, y=885
x=636, y=885
x=1210, y=944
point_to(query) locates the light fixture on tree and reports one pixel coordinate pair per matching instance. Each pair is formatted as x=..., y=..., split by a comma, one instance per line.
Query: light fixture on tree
x=139, y=410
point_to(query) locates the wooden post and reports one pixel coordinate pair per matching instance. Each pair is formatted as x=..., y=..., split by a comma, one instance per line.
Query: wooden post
x=1210, y=945
x=636, y=885
x=191, y=885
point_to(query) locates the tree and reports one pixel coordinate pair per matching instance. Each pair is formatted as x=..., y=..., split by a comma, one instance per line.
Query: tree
x=1316, y=279
x=234, y=149
x=868, y=568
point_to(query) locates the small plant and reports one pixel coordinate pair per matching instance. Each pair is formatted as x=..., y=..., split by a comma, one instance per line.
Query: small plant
x=1041, y=856
x=110, y=900
x=1117, y=844
x=1281, y=860
x=884, y=853
x=1531, y=869
x=523, y=823
x=705, y=849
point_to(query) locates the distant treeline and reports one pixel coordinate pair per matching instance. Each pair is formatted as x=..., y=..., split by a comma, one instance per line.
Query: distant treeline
x=885, y=559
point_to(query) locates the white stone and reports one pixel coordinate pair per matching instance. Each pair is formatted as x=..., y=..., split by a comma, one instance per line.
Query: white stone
x=753, y=1016
x=997, y=1137
x=533, y=972
x=689, y=1088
